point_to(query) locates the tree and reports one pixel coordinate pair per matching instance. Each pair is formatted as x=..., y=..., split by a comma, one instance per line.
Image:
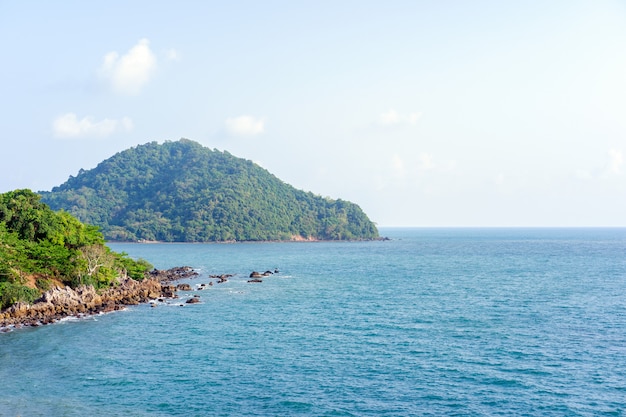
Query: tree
x=38, y=245
x=182, y=191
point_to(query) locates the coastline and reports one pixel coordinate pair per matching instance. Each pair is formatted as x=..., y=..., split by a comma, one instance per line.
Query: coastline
x=293, y=239
x=60, y=303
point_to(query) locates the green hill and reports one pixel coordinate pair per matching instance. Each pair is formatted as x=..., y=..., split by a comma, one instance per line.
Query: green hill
x=184, y=192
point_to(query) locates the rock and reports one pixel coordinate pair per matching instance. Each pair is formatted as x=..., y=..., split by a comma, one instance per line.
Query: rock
x=57, y=302
x=168, y=291
x=256, y=274
x=222, y=276
x=173, y=274
x=183, y=287
x=255, y=280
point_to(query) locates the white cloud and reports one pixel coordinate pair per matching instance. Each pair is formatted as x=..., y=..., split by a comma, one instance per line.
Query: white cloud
x=398, y=166
x=130, y=72
x=616, y=160
x=392, y=117
x=426, y=161
x=583, y=174
x=172, y=54
x=403, y=169
x=245, y=125
x=611, y=168
x=69, y=126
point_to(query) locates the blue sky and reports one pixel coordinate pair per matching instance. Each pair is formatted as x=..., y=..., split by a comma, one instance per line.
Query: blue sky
x=425, y=113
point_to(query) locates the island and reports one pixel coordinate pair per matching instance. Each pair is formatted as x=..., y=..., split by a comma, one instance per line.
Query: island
x=182, y=191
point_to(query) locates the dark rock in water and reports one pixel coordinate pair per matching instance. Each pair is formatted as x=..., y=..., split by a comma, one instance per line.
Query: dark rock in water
x=256, y=274
x=193, y=300
x=173, y=274
x=221, y=278
x=168, y=291
x=183, y=287
x=255, y=280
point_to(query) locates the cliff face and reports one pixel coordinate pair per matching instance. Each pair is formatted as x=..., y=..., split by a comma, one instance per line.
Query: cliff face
x=58, y=303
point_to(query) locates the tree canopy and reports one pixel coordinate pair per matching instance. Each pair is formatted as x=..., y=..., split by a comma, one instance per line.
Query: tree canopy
x=40, y=247
x=181, y=191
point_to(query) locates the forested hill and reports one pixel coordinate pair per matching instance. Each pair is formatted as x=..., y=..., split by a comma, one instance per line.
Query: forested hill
x=184, y=192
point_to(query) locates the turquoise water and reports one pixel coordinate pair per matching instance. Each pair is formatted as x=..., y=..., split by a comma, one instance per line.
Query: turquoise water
x=433, y=322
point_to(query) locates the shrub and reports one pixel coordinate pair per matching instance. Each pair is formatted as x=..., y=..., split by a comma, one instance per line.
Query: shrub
x=11, y=293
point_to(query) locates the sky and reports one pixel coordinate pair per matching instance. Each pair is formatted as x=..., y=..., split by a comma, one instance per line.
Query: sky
x=424, y=113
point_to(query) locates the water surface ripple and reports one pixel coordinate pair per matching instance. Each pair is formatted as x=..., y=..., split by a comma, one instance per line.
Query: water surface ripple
x=434, y=322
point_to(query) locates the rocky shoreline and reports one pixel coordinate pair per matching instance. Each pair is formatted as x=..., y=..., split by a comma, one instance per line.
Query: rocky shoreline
x=58, y=303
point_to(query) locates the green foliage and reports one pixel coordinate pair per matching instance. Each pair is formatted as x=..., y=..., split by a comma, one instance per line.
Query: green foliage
x=12, y=292
x=182, y=191
x=44, y=284
x=100, y=267
x=135, y=269
x=21, y=212
x=40, y=245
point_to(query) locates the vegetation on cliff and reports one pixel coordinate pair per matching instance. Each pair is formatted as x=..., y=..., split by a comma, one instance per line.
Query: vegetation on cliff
x=40, y=248
x=182, y=191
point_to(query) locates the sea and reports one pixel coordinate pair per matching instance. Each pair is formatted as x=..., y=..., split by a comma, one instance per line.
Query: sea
x=432, y=322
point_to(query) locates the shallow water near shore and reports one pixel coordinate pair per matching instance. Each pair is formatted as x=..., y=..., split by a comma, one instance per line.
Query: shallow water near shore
x=432, y=322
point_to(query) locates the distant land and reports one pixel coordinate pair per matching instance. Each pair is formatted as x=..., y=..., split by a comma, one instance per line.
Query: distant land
x=181, y=191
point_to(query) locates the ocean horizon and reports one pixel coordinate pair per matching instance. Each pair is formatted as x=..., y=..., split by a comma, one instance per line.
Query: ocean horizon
x=435, y=321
